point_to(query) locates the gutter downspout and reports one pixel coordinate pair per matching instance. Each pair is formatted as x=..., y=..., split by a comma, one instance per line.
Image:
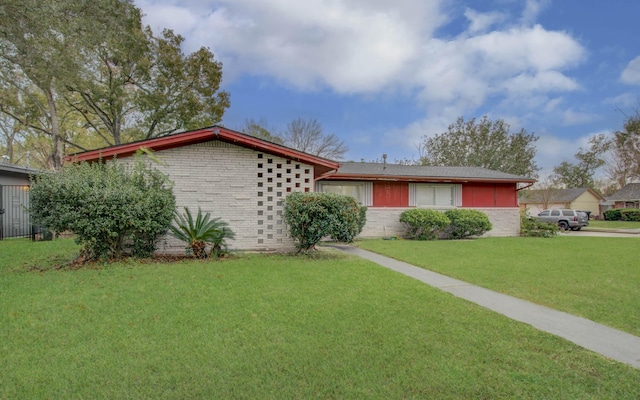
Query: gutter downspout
x=525, y=187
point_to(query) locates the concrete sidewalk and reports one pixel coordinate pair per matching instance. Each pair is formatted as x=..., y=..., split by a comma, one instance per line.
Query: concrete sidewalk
x=609, y=342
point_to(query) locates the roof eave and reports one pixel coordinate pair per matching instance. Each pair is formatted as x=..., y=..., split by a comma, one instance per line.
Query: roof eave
x=409, y=178
x=322, y=165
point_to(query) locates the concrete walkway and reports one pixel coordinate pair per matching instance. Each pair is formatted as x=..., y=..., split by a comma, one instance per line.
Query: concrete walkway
x=609, y=342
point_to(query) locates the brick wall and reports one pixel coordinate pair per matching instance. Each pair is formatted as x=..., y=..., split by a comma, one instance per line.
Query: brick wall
x=244, y=187
x=385, y=222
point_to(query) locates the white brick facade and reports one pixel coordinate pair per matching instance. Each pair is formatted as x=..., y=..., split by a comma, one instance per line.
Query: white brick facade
x=243, y=187
x=385, y=221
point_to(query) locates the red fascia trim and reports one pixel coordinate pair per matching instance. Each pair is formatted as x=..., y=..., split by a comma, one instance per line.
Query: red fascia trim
x=401, y=178
x=199, y=136
x=128, y=149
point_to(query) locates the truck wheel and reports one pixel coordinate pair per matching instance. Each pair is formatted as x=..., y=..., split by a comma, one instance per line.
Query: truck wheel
x=563, y=225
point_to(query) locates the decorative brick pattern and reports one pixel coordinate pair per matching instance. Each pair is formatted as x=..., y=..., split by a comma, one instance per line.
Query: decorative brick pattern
x=275, y=178
x=243, y=187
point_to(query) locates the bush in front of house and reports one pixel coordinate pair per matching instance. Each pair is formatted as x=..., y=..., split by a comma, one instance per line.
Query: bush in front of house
x=423, y=224
x=622, y=214
x=201, y=232
x=614, y=214
x=312, y=216
x=113, y=210
x=466, y=223
x=530, y=227
x=630, y=214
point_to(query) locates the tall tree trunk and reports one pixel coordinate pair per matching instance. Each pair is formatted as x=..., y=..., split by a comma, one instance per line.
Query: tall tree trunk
x=57, y=153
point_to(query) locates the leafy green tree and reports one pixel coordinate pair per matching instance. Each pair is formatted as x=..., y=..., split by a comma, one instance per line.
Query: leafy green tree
x=624, y=164
x=108, y=206
x=308, y=136
x=78, y=66
x=482, y=143
x=37, y=49
x=580, y=174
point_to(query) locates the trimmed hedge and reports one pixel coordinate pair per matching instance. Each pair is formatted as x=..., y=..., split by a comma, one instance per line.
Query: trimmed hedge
x=312, y=216
x=456, y=223
x=622, y=214
x=423, y=224
x=466, y=223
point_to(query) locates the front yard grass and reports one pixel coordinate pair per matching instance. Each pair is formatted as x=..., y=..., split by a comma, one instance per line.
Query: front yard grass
x=594, y=277
x=271, y=327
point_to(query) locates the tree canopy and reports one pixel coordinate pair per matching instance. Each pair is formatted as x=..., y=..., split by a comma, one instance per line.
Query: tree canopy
x=87, y=74
x=624, y=164
x=300, y=134
x=260, y=130
x=580, y=174
x=309, y=136
x=482, y=143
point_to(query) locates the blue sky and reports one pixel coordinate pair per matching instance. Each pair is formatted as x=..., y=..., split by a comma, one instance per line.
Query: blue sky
x=382, y=74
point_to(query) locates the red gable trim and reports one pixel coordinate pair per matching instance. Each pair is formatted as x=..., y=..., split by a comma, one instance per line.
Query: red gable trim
x=322, y=165
x=400, y=178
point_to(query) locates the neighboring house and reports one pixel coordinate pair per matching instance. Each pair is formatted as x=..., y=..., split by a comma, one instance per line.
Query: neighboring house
x=627, y=197
x=14, y=200
x=389, y=189
x=244, y=180
x=583, y=199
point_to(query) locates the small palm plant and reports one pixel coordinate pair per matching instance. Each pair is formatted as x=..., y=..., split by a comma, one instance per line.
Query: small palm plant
x=204, y=230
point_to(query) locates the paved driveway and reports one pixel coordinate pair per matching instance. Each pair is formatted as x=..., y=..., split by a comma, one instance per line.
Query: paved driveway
x=634, y=233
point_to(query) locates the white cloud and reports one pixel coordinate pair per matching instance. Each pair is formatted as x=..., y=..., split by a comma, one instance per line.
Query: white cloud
x=624, y=100
x=532, y=9
x=371, y=47
x=631, y=73
x=572, y=117
x=481, y=22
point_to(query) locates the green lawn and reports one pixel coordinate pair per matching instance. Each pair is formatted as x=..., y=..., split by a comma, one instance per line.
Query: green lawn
x=270, y=327
x=614, y=224
x=594, y=277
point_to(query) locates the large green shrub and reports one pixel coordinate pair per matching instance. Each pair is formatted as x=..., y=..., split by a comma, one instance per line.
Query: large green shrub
x=622, y=214
x=423, y=224
x=615, y=214
x=465, y=223
x=312, y=216
x=530, y=227
x=112, y=209
x=630, y=214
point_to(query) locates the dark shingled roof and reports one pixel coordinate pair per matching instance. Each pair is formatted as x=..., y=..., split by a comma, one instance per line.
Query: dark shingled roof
x=353, y=170
x=556, y=195
x=630, y=192
x=11, y=169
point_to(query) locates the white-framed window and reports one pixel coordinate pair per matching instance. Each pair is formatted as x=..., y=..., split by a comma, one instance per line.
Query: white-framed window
x=361, y=191
x=435, y=195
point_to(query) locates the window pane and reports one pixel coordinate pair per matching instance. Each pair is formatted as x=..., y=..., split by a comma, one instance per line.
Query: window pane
x=355, y=191
x=444, y=195
x=555, y=213
x=434, y=195
x=425, y=196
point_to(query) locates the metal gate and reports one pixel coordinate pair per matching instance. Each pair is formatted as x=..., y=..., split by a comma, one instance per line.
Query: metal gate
x=15, y=220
